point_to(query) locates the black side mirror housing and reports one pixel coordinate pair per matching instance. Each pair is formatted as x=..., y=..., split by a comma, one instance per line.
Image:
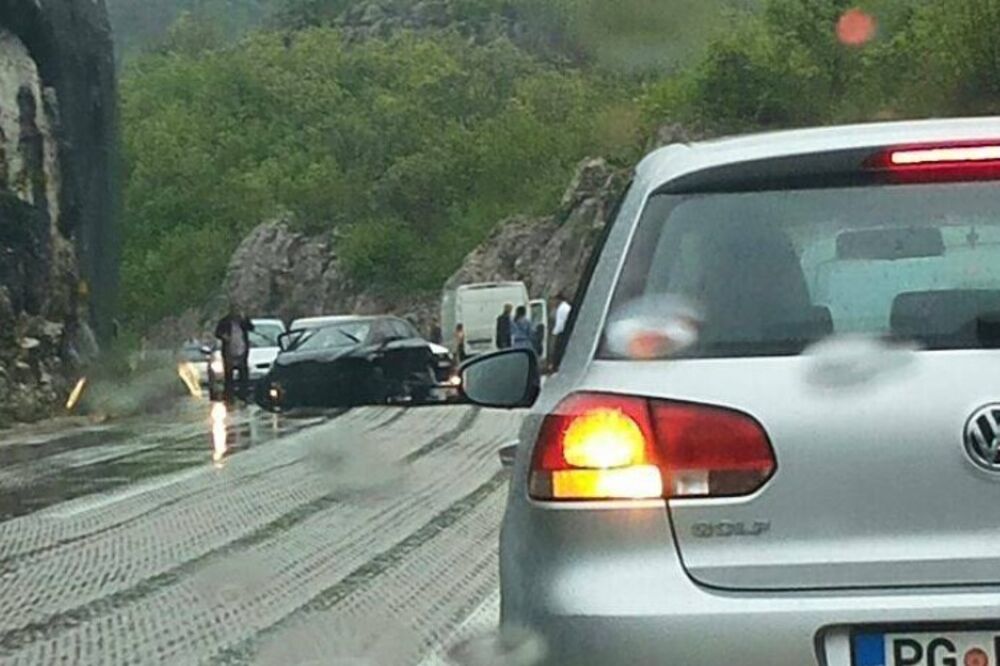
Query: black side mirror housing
x=506, y=380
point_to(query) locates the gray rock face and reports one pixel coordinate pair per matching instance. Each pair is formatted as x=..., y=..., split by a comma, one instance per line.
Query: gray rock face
x=58, y=253
x=549, y=254
x=365, y=19
x=280, y=272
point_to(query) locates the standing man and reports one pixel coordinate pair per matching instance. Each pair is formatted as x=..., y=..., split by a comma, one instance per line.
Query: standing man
x=459, y=351
x=522, y=335
x=563, y=311
x=233, y=331
x=503, y=327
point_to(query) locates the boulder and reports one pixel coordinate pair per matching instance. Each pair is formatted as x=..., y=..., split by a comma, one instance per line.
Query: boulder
x=277, y=271
x=549, y=254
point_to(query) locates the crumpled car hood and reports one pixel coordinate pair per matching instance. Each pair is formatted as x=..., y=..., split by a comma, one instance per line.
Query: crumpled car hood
x=291, y=358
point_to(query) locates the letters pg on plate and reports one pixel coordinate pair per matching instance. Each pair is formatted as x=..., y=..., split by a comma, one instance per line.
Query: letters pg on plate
x=947, y=648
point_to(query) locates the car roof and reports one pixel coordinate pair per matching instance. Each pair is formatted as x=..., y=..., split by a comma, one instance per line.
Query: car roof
x=268, y=320
x=678, y=160
x=339, y=319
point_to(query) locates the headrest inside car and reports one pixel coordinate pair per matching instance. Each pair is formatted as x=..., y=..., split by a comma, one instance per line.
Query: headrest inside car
x=953, y=318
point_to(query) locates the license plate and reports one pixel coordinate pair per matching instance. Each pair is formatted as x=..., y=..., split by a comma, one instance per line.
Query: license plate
x=934, y=648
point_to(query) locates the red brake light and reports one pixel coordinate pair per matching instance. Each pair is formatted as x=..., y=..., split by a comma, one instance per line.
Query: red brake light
x=936, y=162
x=597, y=446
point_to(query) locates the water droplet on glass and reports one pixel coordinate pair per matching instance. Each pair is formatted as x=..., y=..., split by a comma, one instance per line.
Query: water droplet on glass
x=854, y=361
x=856, y=27
x=361, y=640
x=352, y=470
x=653, y=327
x=232, y=581
x=510, y=646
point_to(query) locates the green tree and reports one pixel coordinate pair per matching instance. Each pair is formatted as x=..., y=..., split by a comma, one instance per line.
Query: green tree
x=410, y=149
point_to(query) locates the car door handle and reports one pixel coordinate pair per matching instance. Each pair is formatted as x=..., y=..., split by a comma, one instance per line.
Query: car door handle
x=508, y=452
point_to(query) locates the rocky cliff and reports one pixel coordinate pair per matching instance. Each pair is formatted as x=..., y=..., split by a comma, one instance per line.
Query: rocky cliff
x=57, y=239
x=549, y=254
x=276, y=271
x=536, y=28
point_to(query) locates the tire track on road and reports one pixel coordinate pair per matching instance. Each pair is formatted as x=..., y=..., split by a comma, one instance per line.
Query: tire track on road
x=54, y=624
x=447, y=437
x=363, y=576
x=180, y=624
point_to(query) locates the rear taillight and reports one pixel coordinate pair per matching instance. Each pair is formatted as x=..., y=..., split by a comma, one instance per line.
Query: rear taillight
x=599, y=446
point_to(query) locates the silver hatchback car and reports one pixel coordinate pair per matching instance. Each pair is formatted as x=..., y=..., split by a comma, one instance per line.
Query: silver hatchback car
x=774, y=436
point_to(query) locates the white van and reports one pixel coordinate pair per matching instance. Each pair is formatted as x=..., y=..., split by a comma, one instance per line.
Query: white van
x=477, y=306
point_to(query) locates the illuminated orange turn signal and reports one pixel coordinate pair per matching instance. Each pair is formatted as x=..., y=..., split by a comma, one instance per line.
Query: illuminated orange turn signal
x=630, y=483
x=602, y=439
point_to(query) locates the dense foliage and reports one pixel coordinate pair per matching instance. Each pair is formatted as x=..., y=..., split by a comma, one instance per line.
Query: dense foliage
x=409, y=146
x=409, y=149
x=784, y=66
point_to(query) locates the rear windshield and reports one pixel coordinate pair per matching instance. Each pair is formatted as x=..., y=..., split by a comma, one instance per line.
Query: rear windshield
x=265, y=335
x=771, y=272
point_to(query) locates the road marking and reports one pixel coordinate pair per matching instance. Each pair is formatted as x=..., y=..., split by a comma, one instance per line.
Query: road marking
x=85, y=505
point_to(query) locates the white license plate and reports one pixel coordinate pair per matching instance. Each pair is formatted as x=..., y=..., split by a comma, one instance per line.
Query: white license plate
x=932, y=648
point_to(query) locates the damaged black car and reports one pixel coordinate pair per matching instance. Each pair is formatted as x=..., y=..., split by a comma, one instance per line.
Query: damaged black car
x=351, y=362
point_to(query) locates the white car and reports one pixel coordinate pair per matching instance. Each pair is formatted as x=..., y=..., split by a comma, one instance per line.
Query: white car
x=264, y=347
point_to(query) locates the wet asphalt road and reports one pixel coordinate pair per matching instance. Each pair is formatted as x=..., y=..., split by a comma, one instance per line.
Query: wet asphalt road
x=361, y=537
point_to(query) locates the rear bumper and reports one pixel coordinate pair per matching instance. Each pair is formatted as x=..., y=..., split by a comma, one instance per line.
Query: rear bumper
x=595, y=594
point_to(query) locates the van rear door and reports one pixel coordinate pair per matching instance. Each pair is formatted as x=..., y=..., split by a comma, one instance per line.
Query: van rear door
x=539, y=311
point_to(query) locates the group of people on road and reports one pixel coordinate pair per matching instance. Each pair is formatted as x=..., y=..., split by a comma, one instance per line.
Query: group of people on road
x=515, y=330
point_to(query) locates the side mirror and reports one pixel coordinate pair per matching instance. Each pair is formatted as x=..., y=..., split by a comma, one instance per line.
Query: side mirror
x=285, y=341
x=506, y=379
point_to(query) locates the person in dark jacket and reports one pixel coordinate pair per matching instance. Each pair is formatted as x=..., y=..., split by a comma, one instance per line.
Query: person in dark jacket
x=503, y=327
x=458, y=352
x=233, y=331
x=522, y=333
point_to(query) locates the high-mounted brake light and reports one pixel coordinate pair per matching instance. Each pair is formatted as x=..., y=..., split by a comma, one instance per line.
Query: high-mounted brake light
x=945, y=155
x=936, y=162
x=598, y=446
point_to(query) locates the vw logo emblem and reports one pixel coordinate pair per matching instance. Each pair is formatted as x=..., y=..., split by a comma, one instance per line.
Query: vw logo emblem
x=982, y=438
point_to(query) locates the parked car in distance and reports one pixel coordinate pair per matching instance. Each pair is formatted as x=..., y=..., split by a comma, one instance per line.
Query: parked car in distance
x=444, y=361
x=264, y=347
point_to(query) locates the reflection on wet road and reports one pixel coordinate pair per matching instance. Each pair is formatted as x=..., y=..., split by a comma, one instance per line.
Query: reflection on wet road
x=41, y=471
x=237, y=536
